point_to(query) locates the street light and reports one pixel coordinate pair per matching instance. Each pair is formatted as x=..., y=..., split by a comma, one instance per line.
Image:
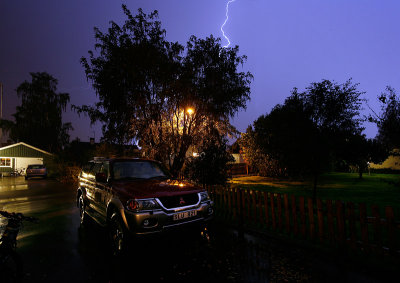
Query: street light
x=190, y=111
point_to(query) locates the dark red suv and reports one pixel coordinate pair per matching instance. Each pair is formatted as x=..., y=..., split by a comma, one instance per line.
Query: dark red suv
x=138, y=196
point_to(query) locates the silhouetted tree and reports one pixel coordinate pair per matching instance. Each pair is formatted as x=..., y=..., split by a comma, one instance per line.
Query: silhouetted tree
x=304, y=135
x=388, y=121
x=38, y=120
x=146, y=85
x=359, y=151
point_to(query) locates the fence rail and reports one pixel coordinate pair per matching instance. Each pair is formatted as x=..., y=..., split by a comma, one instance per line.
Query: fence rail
x=337, y=223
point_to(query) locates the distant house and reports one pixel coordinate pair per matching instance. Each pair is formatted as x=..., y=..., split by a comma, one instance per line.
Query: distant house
x=19, y=155
x=391, y=163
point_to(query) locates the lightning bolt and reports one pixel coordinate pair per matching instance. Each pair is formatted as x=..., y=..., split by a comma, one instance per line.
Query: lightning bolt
x=226, y=20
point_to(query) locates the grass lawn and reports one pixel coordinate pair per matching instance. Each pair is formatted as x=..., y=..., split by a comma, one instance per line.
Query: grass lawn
x=379, y=189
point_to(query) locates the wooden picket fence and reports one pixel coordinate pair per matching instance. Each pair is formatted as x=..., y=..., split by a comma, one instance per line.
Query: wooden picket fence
x=336, y=223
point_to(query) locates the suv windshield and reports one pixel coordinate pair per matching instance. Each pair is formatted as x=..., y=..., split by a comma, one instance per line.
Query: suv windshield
x=138, y=170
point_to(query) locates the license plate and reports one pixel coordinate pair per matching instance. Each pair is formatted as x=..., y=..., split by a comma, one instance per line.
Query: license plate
x=186, y=214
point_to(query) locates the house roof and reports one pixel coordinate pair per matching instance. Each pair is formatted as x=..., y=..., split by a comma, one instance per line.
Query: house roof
x=27, y=145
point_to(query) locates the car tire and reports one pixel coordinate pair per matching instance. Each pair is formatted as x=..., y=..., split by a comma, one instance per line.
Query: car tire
x=82, y=212
x=117, y=235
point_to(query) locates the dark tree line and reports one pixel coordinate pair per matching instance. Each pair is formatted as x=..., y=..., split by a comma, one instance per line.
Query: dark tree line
x=311, y=133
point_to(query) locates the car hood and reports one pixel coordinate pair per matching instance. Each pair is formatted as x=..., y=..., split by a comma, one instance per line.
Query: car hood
x=128, y=189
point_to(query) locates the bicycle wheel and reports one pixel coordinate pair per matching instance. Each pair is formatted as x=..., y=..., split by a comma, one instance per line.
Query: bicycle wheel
x=10, y=267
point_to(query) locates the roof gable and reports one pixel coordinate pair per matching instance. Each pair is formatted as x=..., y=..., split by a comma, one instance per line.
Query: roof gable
x=17, y=146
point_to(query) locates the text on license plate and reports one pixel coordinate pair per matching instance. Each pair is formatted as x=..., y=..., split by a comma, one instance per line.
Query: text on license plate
x=186, y=214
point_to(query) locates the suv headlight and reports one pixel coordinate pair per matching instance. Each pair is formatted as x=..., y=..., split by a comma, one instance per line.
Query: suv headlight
x=141, y=204
x=204, y=196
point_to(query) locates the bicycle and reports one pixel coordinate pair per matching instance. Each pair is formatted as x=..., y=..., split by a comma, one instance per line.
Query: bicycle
x=11, y=268
x=17, y=172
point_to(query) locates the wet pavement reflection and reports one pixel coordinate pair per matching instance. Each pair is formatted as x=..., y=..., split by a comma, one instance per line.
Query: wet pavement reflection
x=57, y=249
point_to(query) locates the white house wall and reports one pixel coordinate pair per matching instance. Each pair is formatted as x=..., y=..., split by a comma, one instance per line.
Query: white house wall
x=23, y=162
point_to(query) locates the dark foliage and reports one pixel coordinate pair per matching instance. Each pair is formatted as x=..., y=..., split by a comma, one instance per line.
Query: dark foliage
x=358, y=152
x=38, y=120
x=304, y=136
x=211, y=166
x=388, y=121
x=146, y=84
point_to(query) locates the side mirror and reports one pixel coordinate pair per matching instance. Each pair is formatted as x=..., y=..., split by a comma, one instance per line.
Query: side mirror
x=101, y=177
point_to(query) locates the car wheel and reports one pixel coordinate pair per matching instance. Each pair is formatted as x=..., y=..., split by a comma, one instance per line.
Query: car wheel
x=82, y=213
x=117, y=234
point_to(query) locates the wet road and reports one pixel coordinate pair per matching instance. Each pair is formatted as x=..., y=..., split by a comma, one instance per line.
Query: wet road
x=57, y=249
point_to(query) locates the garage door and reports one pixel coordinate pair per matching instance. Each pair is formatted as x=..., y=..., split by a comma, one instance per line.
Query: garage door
x=23, y=162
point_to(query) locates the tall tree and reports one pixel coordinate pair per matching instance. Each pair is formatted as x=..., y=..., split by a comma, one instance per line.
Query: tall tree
x=159, y=93
x=359, y=151
x=305, y=134
x=388, y=121
x=38, y=120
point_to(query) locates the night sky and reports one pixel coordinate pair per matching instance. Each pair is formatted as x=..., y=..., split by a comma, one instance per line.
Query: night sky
x=288, y=44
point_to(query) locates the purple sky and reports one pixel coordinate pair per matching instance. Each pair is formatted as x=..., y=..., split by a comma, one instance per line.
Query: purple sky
x=288, y=44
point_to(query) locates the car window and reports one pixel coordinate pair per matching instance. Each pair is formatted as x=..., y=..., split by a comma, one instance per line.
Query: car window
x=137, y=170
x=96, y=168
x=36, y=166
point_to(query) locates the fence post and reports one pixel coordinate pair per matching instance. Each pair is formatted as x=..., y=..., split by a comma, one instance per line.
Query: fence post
x=248, y=201
x=310, y=207
x=266, y=208
x=254, y=205
x=294, y=214
x=243, y=205
x=352, y=224
x=271, y=195
x=229, y=202
x=302, y=216
x=331, y=228
x=287, y=218
x=260, y=210
x=320, y=215
x=234, y=207
x=391, y=229
x=377, y=225
x=340, y=222
x=238, y=207
x=364, y=224
x=279, y=208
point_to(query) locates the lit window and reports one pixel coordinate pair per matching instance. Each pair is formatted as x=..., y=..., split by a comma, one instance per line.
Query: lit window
x=5, y=162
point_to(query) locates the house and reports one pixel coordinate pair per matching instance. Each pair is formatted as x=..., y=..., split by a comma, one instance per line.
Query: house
x=392, y=163
x=19, y=155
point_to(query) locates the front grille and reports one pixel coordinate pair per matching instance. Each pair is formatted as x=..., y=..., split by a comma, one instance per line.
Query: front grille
x=179, y=201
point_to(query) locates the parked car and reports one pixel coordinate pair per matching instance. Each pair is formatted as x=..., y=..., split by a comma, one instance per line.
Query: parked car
x=35, y=170
x=138, y=197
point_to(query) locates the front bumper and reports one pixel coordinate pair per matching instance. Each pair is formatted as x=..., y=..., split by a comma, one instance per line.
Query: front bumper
x=139, y=223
